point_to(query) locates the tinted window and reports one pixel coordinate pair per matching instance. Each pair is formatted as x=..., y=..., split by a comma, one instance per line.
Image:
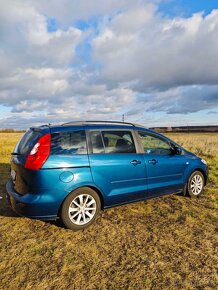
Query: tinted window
x=27, y=141
x=154, y=145
x=112, y=142
x=68, y=143
x=96, y=142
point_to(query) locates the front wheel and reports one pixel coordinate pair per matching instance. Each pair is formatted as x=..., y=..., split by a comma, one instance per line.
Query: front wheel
x=195, y=184
x=80, y=208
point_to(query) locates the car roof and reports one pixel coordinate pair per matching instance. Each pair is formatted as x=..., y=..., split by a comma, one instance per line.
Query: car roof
x=97, y=125
x=76, y=125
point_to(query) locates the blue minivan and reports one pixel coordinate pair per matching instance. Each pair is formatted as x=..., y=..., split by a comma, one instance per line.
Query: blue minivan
x=74, y=170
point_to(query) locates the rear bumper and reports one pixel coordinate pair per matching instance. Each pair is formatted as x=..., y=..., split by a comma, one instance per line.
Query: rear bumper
x=38, y=206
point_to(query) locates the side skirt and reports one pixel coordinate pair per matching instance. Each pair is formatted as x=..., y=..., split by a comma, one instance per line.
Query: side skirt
x=142, y=199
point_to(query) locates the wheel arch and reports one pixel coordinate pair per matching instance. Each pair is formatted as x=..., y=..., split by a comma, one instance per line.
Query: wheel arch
x=203, y=173
x=184, y=192
x=97, y=190
x=189, y=173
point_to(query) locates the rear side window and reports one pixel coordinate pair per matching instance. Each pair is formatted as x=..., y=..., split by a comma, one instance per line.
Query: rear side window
x=27, y=141
x=112, y=142
x=96, y=142
x=64, y=143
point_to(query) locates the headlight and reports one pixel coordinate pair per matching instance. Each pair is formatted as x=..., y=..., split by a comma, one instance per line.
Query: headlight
x=204, y=161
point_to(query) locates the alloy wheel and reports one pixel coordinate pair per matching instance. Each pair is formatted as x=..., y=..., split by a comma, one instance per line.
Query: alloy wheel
x=82, y=209
x=196, y=184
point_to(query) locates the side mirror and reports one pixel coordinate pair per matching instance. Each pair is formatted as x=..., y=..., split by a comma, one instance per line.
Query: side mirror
x=176, y=150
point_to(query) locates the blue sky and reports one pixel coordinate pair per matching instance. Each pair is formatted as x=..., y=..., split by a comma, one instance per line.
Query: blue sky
x=154, y=61
x=187, y=7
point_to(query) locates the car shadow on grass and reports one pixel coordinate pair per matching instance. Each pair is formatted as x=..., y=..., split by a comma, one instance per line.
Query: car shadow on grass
x=5, y=209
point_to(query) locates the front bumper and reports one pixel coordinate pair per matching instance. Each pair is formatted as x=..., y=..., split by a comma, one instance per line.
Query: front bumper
x=37, y=206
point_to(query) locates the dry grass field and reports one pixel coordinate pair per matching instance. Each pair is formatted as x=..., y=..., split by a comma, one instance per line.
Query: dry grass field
x=164, y=243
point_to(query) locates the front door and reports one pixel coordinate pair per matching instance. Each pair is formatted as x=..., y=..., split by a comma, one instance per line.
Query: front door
x=164, y=169
x=116, y=168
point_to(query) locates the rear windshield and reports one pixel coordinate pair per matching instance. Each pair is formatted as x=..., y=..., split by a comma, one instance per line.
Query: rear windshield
x=27, y=141
x=73, y=142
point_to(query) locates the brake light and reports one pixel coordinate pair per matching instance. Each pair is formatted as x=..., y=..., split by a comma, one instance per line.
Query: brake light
x=39, y=153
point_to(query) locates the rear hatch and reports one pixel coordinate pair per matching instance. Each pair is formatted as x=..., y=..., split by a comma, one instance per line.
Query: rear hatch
x=20, y=175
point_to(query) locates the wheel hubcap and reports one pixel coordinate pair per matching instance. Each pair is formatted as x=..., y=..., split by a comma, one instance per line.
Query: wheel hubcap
x=82, y=209
x=196, y=184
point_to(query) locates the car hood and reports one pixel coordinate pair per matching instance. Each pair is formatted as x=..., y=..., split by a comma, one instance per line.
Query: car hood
x=190, y=154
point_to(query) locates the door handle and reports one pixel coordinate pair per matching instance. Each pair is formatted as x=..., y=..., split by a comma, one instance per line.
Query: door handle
x=135, y=162
x=153, y=161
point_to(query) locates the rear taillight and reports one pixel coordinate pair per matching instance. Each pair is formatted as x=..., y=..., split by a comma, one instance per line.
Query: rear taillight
x=39, y=153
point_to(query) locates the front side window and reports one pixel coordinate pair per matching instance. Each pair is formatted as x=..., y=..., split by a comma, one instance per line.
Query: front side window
x=154, y=145
x=64, y=143
x=112, y=142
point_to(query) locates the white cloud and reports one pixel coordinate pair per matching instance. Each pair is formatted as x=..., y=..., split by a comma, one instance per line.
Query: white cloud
x=158, y=52
x=25, y=38
x=140, y=61
x=67, y=11
x=181, y=100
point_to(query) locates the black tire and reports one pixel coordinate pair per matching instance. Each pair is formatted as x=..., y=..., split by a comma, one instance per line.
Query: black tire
x=70, y=209
x=195, y=178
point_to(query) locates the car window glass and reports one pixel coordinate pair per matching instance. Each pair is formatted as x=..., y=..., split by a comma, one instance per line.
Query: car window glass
x=96, y=142
x=27, y=142
x=154, y=145
x=68, y=143
x=112, y=142
x=118, y=142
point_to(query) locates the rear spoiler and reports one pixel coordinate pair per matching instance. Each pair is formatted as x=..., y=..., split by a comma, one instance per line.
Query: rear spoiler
x=40, y=128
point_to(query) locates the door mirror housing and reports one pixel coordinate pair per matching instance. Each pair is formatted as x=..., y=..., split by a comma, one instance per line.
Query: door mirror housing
x=176, y=150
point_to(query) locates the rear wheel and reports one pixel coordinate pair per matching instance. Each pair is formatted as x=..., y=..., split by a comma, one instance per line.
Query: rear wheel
x=80, y=208
x=195, y=184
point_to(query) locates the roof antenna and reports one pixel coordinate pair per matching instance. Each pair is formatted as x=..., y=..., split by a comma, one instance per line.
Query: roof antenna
x=123, y=118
